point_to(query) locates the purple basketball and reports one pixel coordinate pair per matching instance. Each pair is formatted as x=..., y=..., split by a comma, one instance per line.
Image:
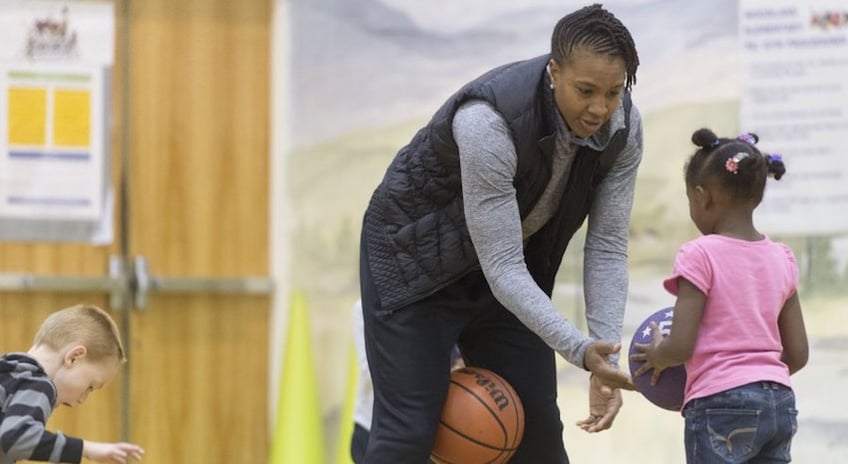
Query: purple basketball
x=668, y=392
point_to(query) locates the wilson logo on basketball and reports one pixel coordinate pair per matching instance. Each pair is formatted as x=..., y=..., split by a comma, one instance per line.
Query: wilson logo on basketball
x=482, y=420
x=497, y=395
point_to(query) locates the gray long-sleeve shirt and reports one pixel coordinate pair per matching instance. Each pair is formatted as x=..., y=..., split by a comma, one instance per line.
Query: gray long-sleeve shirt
x=488, y=163
x=27, y=397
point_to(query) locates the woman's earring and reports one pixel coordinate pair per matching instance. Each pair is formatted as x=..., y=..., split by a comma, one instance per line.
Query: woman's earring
x=550, y=76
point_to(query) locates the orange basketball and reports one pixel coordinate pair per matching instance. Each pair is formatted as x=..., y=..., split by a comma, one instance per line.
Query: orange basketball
x=482, y=420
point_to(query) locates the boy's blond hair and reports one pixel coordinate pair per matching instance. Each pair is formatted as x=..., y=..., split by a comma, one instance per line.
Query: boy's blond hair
x=87, y=325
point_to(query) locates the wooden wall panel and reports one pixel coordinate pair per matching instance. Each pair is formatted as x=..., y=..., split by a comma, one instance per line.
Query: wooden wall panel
x=200, y=116
x=199, y=149
x=200, y=386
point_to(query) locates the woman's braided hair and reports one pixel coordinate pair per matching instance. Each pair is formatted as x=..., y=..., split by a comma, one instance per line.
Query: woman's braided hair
x=600, y=32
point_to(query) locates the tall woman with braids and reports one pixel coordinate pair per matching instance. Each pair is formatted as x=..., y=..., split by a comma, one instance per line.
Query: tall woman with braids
x=463, y=238
x=737, y=321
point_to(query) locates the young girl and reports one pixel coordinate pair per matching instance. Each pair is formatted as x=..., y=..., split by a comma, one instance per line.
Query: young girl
x=737, y=321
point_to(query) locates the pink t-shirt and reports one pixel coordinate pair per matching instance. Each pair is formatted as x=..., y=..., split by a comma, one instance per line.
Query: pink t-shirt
x=746, y=284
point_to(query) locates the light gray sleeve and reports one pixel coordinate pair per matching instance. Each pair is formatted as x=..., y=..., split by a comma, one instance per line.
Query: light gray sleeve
x=23, y=435
x=488, y=164
x=605, y=277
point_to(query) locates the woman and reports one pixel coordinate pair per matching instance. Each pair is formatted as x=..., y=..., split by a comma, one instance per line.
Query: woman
x=463, y=238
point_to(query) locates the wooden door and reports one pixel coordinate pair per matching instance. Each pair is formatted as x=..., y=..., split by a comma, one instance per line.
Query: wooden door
x=199, y=156
x=195, y=75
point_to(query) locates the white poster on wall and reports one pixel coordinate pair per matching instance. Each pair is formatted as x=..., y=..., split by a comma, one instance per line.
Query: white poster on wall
x=55, y=69
x=795, y=97
x=52, y=164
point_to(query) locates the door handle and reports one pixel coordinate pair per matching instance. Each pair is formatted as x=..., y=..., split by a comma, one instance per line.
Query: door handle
x=145, y=283
x=138, y=284
x=116, y=283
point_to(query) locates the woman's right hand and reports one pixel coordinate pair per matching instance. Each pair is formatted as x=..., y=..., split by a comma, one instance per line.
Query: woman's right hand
x=597, y=362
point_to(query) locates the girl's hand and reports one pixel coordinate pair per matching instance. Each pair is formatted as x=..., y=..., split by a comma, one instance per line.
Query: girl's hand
x=647, y=353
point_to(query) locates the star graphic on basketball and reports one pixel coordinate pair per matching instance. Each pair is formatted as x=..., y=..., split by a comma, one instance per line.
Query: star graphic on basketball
x=668, y=392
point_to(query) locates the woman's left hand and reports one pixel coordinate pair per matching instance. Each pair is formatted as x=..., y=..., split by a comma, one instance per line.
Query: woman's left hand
x=604, y=404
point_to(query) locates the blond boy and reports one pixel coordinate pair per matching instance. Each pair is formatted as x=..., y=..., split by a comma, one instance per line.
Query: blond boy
x=77, y=350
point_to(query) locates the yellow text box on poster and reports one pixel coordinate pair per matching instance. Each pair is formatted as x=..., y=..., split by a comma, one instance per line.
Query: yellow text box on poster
x=72, y=118
x=27, y=116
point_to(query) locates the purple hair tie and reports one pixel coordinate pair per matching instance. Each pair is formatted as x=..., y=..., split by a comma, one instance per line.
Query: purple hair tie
x=747, y=138
x=775, y=157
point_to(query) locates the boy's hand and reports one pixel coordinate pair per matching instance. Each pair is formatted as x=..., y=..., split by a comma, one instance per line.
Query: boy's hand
x=115, y=453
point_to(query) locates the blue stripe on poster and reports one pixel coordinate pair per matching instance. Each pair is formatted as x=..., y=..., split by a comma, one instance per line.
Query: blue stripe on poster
x=48, y=201
x=48, y=155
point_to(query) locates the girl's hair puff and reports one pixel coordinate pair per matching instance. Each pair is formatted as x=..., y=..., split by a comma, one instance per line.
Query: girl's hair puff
x=734, y=165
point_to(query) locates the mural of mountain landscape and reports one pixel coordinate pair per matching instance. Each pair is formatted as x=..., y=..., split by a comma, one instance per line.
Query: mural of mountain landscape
x=366, y=74
x=363, y=63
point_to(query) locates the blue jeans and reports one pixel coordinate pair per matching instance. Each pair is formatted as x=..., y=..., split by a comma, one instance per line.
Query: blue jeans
x=753, y=423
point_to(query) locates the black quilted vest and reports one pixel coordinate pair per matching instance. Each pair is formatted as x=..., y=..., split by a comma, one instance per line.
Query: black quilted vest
x=414, y=227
